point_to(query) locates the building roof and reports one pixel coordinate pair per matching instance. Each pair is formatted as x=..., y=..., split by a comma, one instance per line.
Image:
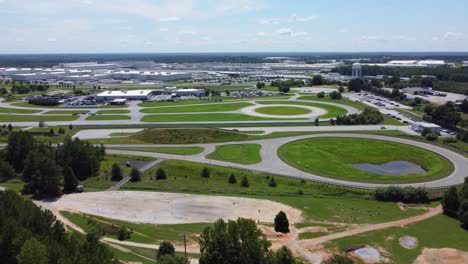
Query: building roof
x=125, y=93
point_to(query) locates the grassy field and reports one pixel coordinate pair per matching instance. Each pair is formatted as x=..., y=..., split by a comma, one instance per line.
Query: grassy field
x=142, y=233
x=18, y=111
x=176, y=151
x=102, y=181
x=187, y=136
x=437, y=232
x=66, y=112
x=357, y=105
x=184, y=102
x=35, y=118
x=333, y=111
x=331, y=157
x=204, y=118
x=26, y=104
x=239, y=153
x=225, y=107
x=108, y=117
x=116, y=111
x=283, y=110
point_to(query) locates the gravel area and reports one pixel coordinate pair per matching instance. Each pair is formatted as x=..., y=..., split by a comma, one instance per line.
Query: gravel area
x=171, y=208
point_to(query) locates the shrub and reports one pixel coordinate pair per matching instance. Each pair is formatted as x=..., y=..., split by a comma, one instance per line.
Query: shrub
x=338, y=259
x=135, y=175
x=161, y=174
x=321, y=95
x=398, y=194
x=272, y=182
x=165, y=248
x=116, y=173
x=245, y=182
x=451, y=202
x=232, y=179
x=124, y=233
x=44, y=102
x=205, y=173
x=431, y=137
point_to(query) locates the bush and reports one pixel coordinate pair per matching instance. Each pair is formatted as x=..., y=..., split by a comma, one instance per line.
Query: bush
x=161, y=174
x=281, y=223
x=135, y=175
x=335, y=95
x=44, y=102
x=451, y=202
x=116, y=172
x=431, y=137
x=245, y=182
x=205, y=173
x=272, y=182
x=165, y=248
x=338, y=259
x=124, y=233
x=368, y=117
x=398, y=194
x=321, y=95
x=232, y=179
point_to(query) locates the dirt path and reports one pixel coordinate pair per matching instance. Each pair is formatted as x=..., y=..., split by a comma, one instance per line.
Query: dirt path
x=311, y=243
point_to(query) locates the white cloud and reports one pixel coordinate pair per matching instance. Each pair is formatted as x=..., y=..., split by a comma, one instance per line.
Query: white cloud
x=51, y=39
x=296, y=18
x=188, y=32
x=169, y=19
x=383, y=38
x=239, y=5
x=290, y=32
x=449, y=36
x=261, y=34
x=164, y=29
x=266, y=21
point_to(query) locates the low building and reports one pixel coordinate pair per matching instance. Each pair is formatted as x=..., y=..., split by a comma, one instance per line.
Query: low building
x=420, y=126
x=108, y=96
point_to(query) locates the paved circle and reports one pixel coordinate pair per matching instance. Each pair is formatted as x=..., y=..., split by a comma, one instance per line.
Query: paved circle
x=316, y=111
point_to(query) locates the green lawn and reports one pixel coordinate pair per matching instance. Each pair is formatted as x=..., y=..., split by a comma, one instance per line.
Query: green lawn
x=35, y=118
x=333, y=111
x=204, y=118
x=108, y=117
x=331, y=157
x=116, y=111
x=187, y=136
x=283, y=110
x=143, y=233
x=437, y=232
x=357, y=105
x=176, y=151
x=225, y=107
x=66, y=112
x=184, y=102
x=26, y=104
x=18, y=111
x=239, y=153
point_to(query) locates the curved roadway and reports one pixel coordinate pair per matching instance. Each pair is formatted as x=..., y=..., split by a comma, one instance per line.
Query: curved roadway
x=272, y=164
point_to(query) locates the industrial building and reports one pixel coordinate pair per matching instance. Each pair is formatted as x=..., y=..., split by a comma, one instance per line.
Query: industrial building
x=410, y=64
x=420, y=126
x=142, y=95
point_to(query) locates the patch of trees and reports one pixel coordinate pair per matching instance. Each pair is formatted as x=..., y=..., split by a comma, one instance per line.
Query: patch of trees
x=30, y=235
x=239, y=241
x=261, y=85
x=281, y=223
x=367, y=117
x=44, y=102
x=44, y=167
x=336, y=95
x=447, y=114
x=374, y=86
x=405, y=195
x=285, y=86
x=455, y=203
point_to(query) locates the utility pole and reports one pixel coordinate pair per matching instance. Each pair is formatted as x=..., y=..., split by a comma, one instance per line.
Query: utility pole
x=185, y=246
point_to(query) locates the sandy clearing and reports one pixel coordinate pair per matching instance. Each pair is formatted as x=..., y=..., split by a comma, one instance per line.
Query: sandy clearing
x=103, y=133
x=172, y=208
x=443, y=255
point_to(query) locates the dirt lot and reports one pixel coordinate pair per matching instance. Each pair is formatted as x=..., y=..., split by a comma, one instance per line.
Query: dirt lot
x=170, y=208
x=443, y=255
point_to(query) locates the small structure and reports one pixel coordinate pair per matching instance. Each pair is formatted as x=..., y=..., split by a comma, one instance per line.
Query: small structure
x=420, y=126
x=42, y=124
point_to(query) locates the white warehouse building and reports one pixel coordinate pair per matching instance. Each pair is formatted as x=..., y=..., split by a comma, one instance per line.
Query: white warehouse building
x=128, y=95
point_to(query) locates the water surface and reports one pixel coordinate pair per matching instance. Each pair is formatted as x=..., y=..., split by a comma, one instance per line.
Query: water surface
x=397, y=168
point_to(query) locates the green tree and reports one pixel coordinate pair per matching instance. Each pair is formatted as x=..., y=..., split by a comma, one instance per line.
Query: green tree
x=135, y=175
x=341, y=89
x=6, y=171
x=245, y=182
x=161, y=174
x=318, y=80
x=321, y=95
x=355, y=85
x=232, y=179
x=285, y=90
x=69, y=180
x=317, y=122
x=451, y=202
x=281, y=223
x=234, y=242
x=32, y=252
x=124, y=233
x=165, y=248
x=18, y=148
x=335, y=95
x=284, y=256
x=260, y=85
x=205, y=173
x=168, y=259
x=116, y=172
x=10, y=128
x=272, y=182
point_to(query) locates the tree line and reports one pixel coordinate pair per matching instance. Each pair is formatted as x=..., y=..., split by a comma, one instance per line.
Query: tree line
x=367, y=117
x=45, y=168
x=455, y=203
x=30, y=235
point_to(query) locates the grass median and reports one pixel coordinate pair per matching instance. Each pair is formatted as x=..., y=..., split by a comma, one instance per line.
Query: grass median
x=222, y=107
x=108, y=117
x=246, y=154
x=332, y=111
x=206, y=118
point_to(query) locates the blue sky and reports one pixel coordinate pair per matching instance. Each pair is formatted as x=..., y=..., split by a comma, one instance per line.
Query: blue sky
x=77, y=26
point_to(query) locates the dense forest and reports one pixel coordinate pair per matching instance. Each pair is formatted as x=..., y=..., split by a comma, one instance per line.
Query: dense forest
x=30, y=235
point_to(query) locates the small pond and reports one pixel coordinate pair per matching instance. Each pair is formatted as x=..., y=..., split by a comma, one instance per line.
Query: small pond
x=391, y=168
